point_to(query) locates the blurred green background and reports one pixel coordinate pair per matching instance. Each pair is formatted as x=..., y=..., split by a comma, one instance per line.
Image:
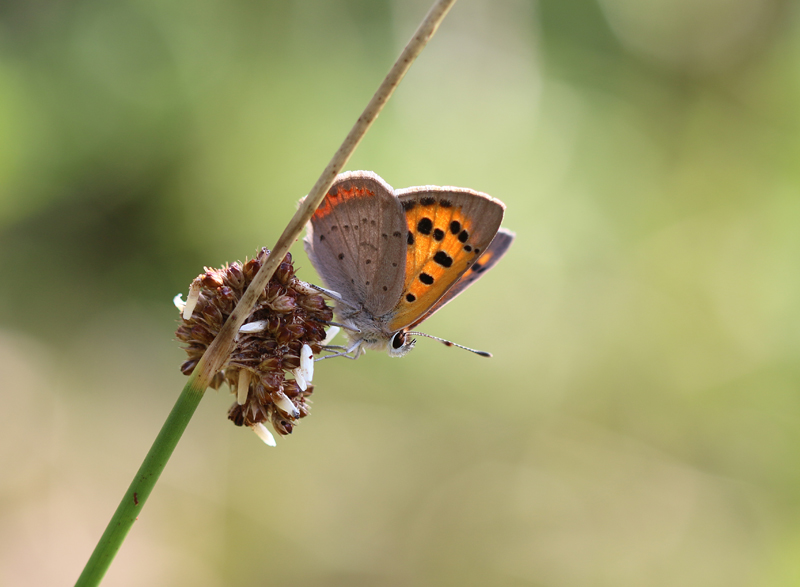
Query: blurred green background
x=640, y=421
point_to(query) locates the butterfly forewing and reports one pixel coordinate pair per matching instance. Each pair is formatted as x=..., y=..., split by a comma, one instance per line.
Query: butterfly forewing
x=448, y=229
x=486, y=260
x=357, y=241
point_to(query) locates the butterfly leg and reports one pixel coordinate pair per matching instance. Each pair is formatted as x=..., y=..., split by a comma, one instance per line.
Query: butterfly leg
x=355, y=348
x=335, y=296
x=342, y=353
x=339, y=324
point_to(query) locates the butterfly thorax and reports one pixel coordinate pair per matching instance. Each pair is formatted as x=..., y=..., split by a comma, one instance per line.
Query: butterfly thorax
x=373, y=332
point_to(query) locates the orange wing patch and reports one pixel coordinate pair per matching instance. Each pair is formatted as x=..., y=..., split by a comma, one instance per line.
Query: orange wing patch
x=485, y=261
x=440, y=249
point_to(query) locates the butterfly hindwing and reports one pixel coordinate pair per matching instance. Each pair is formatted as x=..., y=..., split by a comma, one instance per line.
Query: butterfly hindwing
x=357, y=241
x=448, y=229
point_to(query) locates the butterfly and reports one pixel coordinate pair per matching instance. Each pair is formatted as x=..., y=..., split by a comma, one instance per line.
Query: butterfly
x=391, y=259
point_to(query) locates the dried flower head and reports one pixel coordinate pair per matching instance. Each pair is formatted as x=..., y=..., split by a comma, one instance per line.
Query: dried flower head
x=279, y=339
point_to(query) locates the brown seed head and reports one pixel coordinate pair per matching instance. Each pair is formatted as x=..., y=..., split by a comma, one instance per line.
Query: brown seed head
x=291, y=314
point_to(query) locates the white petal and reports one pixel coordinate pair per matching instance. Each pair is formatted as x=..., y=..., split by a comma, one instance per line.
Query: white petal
x=191, y=300
x=257, y=326
x=301, y=381
x=179, y=303
x=306, y=363
x=304, y=288
x=243, y=386
x=264, y=434
x=309, y=289
x=286, y=405
x=332, y=332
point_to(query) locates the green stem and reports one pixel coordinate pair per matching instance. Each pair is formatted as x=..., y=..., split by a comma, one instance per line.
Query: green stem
x=142, y=485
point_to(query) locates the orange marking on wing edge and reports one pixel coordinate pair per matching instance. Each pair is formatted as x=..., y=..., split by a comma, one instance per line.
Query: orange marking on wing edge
x=484, y=259
x=337, y=196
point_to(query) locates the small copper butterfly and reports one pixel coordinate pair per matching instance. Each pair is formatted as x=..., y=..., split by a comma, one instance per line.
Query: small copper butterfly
x=393, y=258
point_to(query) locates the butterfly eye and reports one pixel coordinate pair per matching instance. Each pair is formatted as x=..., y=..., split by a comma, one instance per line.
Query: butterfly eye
x=398, y=340
x=400, y=344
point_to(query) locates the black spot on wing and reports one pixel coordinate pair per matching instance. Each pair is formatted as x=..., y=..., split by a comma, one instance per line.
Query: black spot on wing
x=463, y=236
x=411, y=298
x=455, y=227
x=410, y=239
x=341, y=256
x=427, y=201
x=425, y=226
x=438, y=234
x=443, y=259
x=426, y=279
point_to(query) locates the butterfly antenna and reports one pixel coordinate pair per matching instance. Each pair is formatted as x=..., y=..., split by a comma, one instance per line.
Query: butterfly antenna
x=450, y=343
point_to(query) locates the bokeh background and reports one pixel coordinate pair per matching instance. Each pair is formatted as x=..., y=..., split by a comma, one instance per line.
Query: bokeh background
x=640, y=421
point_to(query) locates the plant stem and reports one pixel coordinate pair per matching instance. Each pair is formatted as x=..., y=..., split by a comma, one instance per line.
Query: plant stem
x=219, y=350
x=141, y=486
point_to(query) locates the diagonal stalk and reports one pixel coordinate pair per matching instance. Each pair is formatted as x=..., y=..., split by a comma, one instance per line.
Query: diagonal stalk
x=214, y=358
x=141, y=486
